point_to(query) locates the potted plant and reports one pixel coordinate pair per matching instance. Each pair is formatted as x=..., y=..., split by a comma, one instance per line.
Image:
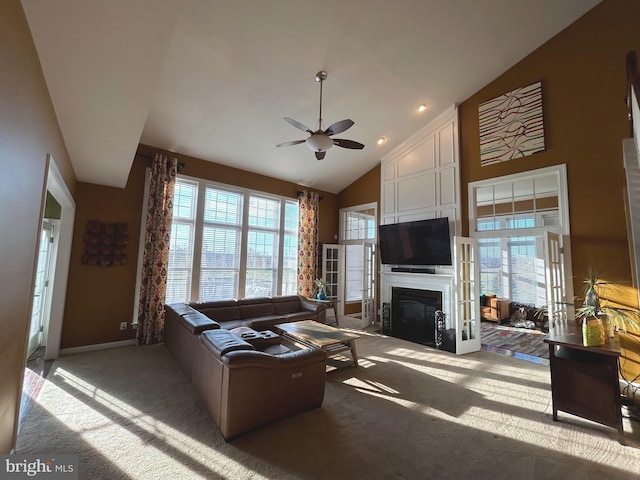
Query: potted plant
x=614, y=318
x=321, y=285
x=595, y=313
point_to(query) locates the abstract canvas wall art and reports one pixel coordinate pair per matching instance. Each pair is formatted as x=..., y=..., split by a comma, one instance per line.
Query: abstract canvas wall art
x=511, y=125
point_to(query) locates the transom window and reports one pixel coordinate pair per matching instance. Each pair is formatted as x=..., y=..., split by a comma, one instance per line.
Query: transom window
x=230, y=243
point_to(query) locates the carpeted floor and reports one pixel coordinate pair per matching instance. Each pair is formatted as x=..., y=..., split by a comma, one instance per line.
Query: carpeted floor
x=408, y=412
x=517, y=342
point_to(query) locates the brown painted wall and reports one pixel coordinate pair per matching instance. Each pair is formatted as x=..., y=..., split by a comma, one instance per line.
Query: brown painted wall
x=28, y=132
x=99, y=298
x=364, y=190
x=582, y=71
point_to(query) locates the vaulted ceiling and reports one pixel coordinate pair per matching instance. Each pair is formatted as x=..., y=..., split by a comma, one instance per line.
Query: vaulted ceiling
x=214, y=80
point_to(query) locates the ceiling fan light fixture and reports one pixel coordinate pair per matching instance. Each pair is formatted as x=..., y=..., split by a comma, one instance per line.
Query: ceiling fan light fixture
x=319, y=142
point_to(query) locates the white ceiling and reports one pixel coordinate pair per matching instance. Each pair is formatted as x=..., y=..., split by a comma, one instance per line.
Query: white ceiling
x=214, y=79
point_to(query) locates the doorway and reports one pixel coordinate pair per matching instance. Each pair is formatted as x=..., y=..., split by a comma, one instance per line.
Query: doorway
x=58, y=217
x=50, y=285
x=40, y=311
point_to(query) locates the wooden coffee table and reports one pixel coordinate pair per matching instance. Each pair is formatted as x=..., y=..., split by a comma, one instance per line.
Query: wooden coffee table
x=318, y=335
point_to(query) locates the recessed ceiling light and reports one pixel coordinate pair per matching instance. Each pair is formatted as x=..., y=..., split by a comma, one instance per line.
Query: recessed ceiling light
x=381, y=140
x=422, y=107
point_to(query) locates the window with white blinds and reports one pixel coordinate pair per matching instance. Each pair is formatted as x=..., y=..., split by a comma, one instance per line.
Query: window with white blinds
x=182, y=237
x=220, y=246
x=290, y=249
x=230, y=243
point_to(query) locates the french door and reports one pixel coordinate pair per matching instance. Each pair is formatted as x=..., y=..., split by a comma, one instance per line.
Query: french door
x=333, y=274
x=368, y=284
x=557, y=276
x=467, y=283
x=334, y=266
x=40, y=310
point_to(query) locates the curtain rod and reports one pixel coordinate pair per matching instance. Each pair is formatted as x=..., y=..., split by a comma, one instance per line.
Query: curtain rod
x=300, y=192
x=181, y=165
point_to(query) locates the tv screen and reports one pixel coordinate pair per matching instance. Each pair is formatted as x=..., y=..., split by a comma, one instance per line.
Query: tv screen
x=422, y=242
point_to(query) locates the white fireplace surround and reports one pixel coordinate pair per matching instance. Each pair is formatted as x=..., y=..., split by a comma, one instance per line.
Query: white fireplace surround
x=438, y=282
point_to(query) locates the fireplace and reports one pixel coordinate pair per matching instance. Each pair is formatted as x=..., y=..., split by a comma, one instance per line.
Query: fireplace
x=413, y=314
x=434, y=290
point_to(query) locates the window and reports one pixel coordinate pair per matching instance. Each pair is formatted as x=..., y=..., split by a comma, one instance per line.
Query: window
x=357, y=225
x=353, y=262
x=509, y=216
x=290, y=249
x=230, y=243
x=182, y=236
x=262, y=246
x=220, y=245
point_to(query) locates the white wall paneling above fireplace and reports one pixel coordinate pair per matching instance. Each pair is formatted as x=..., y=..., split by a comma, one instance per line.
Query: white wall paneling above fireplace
x=421, y=180
x=421, y=177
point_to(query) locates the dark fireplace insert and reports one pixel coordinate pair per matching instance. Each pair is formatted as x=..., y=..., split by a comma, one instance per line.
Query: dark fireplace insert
x=413, y=316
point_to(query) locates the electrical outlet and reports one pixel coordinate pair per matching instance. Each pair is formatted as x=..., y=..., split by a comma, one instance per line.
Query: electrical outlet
x=123, y=325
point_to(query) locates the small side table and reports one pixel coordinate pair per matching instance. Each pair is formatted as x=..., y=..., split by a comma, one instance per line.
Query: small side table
x=331, y=304
x=584, y=380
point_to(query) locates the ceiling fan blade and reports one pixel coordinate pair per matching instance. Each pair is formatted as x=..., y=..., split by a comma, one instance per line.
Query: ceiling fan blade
x=288, y=144
x=339, y=127
x=298, y=125
x=320, y=155
x=341, y=142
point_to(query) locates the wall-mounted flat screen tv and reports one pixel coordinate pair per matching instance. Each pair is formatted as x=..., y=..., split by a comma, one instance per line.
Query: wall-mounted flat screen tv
x=422, y=242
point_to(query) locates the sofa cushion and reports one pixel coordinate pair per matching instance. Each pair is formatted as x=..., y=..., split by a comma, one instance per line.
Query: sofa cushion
x=266, y=322
x=255, y=307
x=298, y=316
x=220, y=311
x=286, y=304
x=196, y=322
x=220, y=342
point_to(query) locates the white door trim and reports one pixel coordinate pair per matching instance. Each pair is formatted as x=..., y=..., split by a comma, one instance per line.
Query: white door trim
x=61, y=258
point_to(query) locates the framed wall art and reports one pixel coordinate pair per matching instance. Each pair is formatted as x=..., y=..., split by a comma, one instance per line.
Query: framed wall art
x=511, y=125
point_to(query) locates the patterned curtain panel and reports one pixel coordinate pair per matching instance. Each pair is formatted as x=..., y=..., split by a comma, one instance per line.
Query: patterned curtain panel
x=156, y=250
x=307, y=241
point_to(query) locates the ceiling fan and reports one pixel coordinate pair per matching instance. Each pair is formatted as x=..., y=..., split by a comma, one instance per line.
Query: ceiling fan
x=320, y=141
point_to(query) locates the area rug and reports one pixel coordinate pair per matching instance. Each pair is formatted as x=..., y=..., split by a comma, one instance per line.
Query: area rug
x=517, y=342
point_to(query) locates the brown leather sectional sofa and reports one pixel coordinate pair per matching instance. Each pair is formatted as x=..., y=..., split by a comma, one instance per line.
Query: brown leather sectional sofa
x=184, y=321
x=245, y=385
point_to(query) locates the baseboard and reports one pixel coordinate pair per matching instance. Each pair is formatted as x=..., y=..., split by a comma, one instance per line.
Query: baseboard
x=97, y=346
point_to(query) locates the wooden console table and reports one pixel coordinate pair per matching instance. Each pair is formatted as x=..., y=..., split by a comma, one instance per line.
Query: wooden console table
x=584, y=380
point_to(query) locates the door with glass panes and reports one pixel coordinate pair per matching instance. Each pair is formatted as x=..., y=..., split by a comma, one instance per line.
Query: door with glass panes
x=333, y=274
